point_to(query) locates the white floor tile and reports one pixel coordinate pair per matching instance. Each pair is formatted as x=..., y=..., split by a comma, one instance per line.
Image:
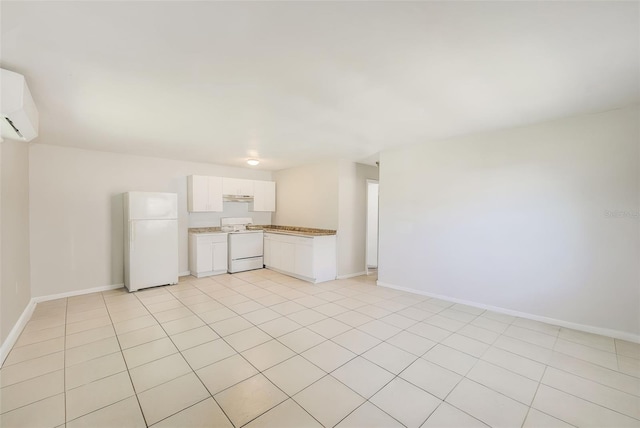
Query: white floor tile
x=465, y=344
x=486, y=366
x=369, y=416
x=587, y=353
x=524, y=349
x=31, y=368
x=92, y=370
x=504, y=381
x=428, y=331
x=363, y=376
x=172, y=397
x=148, y=352
x=389, y=357
x=279, y=326
x=537, y=419
x=610, y=398
x=95, y=395
x=451, y=359
x=431, y=377
x=158, y=372
x=247, y=339
x=89, y=336
x=328, y=400
x=356, y=341
x=90, y=351
x=531, y=336
x=125, y=413
x=34, y=350
x=44, y=413
x=268, y=354
x=140, y=336
x=516, y=363
x=285, y=415
x=328, y=355
x=249, y=399
x=190, y=338
x=208, y=353
x=30, y=391
x=231, y=325
x=588, y=339
x=329, y=328
x=294, y=374
x=301, y=340
x=379, y=329
x=202, y=414
x=578, y=412
x=405, y=402
x=225, y=373
x=447, y=416
x=490, y=407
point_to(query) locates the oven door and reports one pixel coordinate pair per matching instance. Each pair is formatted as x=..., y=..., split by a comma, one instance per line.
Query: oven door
x=245, y=245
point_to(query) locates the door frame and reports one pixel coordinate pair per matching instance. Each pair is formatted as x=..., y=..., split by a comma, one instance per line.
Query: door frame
x=367, y=220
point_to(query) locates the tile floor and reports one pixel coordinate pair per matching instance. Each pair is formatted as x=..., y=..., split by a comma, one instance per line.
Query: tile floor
x=260, y=349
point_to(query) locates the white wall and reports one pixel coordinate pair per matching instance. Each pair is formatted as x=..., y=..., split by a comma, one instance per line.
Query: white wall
x=15, y=290
x=76, y=212
x=516, y=219
x=352, y=224
x=307, y=196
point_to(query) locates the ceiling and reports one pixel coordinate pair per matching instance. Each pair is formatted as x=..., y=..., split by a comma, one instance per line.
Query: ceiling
x=298, y=82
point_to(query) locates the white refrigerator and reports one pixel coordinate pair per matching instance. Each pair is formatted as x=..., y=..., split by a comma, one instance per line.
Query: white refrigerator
x=150, y=239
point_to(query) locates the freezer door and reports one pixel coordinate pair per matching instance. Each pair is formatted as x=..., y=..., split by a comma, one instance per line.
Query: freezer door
x=151, y=205
x=153, y=253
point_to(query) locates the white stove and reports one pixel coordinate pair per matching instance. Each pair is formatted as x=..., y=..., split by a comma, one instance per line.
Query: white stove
x=246, y=247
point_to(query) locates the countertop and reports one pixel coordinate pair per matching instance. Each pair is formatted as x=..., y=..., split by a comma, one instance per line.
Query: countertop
x=285, y=230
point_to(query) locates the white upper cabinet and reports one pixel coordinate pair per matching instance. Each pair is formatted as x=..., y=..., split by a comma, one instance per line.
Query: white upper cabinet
x=237, y=186
x=204, y=193
x=264, y=196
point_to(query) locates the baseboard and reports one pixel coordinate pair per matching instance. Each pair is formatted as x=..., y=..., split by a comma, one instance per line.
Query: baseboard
x=15, y=332
x=351, y=275
x=185, y=273
x=77, y=293
x=28, y=311
x=617, y=334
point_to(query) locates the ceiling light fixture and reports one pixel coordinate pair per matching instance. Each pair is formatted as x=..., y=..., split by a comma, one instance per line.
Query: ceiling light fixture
x=253, y=162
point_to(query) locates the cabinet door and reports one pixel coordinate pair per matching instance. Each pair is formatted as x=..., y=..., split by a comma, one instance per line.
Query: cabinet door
x=204, y=255
x=304, y=260
x=288, y=254
x=219, y=256
x=214, y=194
x=269, y=189
x=237, y=186
x=198, y=193
x=246, y=187
x=264, y=196
x=276, y=254
x=267, y=251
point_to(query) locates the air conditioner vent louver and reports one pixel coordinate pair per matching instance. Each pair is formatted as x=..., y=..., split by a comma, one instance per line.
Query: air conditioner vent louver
x=19, y=112
x=16, y=130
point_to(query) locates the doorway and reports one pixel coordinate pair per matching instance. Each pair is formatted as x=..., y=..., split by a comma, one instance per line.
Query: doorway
x=372, y=226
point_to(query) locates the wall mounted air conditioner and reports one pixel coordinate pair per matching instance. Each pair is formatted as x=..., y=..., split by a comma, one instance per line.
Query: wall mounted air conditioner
x=19, y=113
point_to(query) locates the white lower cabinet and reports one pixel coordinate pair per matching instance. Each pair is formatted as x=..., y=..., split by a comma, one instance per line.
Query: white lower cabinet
x=311, y=258
x=207, y=254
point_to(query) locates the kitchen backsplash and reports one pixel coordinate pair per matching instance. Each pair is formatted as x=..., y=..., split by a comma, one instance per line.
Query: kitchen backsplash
x=231, y=209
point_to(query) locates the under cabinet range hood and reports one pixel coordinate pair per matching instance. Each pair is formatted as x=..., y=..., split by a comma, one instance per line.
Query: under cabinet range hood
x=237, y=198
x=19, y=112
